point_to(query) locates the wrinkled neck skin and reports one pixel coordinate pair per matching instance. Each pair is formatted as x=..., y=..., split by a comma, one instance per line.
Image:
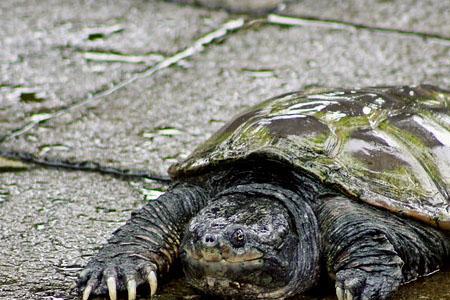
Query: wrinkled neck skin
x=254, y=241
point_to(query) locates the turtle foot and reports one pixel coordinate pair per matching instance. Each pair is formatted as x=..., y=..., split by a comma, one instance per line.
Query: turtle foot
x=358, y=284
x=116, y=276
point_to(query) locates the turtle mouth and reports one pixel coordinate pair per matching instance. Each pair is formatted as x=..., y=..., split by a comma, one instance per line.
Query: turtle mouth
x=246, y=275
x=222, y=276
x=212, y=267
x=213, y=264
x=223, y=256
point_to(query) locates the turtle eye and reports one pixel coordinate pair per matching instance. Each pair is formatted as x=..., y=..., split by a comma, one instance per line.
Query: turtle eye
x=238, y=238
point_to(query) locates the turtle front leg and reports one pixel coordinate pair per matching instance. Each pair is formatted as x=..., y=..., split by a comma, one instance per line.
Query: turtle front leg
x=145, y=246
x=370, y=252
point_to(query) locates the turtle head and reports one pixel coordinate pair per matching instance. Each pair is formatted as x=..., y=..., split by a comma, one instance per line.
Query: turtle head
x=245, y=243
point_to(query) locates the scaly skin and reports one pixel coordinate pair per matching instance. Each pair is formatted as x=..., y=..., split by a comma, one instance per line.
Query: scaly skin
x=371, y=252
x=145, y=247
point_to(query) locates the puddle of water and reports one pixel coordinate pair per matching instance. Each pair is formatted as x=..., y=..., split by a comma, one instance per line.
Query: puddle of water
x=103, y=56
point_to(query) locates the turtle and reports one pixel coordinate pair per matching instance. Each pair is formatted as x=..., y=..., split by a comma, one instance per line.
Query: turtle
x=349, y=186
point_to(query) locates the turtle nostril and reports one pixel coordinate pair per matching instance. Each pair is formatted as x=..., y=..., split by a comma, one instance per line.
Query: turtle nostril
x=210, y=240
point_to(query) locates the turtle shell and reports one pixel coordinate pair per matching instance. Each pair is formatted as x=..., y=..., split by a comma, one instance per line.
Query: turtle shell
x=387, y=146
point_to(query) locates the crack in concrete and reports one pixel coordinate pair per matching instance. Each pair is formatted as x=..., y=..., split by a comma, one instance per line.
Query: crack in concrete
x=292, y=21
x=89, y=166
x=198, y=46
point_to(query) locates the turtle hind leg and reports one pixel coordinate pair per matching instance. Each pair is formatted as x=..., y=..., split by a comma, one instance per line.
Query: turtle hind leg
x=370, y=252
x=146, y=246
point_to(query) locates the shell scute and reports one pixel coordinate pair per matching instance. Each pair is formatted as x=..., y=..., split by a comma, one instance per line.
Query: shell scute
x=387, y=146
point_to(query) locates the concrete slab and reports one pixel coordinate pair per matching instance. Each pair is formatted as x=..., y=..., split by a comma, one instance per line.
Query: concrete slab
x=429, y=16
x=51, y=221
x=55, y=53
x=155, y=121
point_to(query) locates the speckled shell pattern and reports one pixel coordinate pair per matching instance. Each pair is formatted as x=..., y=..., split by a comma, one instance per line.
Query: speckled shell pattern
x=387, y=146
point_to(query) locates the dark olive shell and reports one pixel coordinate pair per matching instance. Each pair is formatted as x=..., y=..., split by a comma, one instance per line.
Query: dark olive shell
x=387, y=146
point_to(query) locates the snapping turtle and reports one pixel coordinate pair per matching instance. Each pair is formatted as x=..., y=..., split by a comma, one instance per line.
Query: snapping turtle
x=353, y=184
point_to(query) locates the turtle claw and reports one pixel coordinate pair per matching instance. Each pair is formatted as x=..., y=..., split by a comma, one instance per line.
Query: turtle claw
x=153, y=281
x=100, y=279
x=343, y=294
x=87, y=292
x=348, y=295
x=112, y=288
x=131, y=288
x=339, y=293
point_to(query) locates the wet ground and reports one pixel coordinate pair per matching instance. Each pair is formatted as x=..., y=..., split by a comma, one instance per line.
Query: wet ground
x=138, y=84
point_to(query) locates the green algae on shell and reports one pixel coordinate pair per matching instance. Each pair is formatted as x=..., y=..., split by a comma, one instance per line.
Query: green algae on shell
x=387, y=146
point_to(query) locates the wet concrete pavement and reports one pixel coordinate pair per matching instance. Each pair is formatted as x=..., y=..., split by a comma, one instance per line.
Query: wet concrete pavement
x=138, y=84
